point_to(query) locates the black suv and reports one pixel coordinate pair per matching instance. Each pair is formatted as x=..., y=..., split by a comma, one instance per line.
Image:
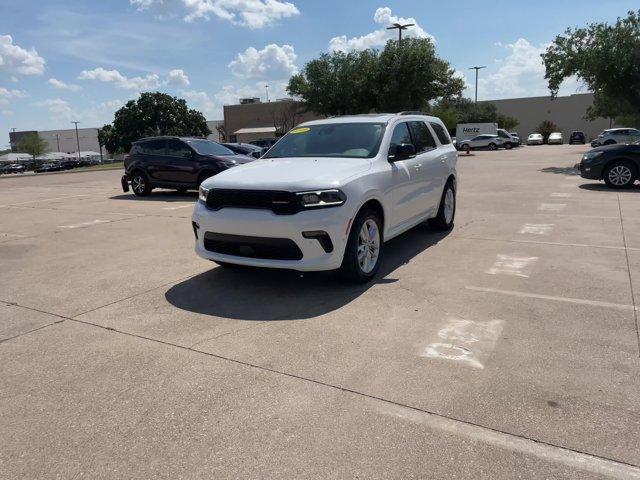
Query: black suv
x=175, y=162
x=577, y=137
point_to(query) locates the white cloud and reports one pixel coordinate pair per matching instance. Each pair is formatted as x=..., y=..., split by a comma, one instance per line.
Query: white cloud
x=177, y=78
x=60, y=85
x=7, y=113
x=6, y=95
x=148, y=82
x=203, y=102
x=248, y=13
x=111, y=105
x=60, y=110
x=520, y=74
x=15, y=59
x=272, y=62
x=378, y=38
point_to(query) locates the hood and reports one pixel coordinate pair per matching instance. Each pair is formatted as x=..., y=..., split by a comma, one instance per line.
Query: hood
x=614, y=146
x=290, y=174
x=240, y=159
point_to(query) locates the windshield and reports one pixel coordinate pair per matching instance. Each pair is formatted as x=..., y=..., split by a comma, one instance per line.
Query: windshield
x=349, y=140
x=207, y=147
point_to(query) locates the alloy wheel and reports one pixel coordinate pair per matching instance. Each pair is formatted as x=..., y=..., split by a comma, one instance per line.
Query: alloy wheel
x=368, y=245
x=449, y=205
x=620, y=175
x=137, y=184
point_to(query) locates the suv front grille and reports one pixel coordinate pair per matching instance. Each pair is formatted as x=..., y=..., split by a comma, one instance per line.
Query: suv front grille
x=252, y=247
x=280, y=203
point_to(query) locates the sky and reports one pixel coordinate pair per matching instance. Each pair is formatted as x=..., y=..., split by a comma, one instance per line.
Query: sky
x=81, y=60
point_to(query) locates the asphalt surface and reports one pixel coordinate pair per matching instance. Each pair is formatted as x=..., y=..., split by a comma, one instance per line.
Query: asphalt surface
x=507, y=348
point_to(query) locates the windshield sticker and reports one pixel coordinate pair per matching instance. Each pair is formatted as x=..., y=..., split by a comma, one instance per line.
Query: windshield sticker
x=300, y=130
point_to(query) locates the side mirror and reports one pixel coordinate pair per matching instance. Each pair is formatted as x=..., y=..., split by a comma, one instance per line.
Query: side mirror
x=403, y=151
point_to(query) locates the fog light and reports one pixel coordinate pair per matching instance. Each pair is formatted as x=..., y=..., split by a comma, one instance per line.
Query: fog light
x=323, y=238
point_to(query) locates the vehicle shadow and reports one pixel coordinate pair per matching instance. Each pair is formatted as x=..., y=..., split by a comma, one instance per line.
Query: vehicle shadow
x=601, y=187
x=271, y=294
x=159, y=196
x=561, y=170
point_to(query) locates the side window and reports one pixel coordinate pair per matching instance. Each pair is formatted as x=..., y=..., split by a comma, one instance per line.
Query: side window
x=422, y=138
x=153, y=147
x=400, y=135
x=176, y=148
x=441, y=133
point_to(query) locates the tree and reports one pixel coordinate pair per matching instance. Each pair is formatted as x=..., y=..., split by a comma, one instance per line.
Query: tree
x=286, y=117
x=152, y=114
x=403, y=77
x=32, y=144
x=546, y=128
x=507, y=122
x=607, y=59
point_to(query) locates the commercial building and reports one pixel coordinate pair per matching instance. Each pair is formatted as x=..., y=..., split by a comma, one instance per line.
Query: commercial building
x=253, y=120
x=566, y=112
x=249, y=121
x=61, y=140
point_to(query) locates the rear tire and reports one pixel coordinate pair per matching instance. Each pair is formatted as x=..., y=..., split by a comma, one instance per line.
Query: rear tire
x=508, y=146
x=620, y=174
x=364, y=247
x=447, y=211
x=492, y=146
x=140, y=184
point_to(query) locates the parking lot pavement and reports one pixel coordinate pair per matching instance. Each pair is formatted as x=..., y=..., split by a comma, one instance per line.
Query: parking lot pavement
x=506, y=348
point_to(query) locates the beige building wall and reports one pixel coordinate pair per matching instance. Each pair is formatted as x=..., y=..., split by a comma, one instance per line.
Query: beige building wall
x=566, y=112
x=67, y=140
x=254, y=115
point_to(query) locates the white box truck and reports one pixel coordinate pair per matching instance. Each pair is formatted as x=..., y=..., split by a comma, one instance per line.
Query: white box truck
x=466, y=131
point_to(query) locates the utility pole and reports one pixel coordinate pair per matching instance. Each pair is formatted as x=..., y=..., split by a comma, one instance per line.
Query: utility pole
x=266, y=88
x=477, y=69
x=77, y=139
x=58, y=141
x=400, y=28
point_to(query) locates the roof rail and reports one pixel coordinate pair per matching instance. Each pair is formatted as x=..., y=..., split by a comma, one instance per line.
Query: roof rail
x=410, y=112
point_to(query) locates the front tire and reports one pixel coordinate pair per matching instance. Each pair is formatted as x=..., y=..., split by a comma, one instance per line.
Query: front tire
x=140, y=184
x=620, y=174
x=363, y=253
x=447, y=211
x=508, y=146
x=492, y=146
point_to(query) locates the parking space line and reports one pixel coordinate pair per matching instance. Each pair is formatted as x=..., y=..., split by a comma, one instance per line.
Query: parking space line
x=577, y=215
x=176, y=208
x=579, y=301
x=569, y=457
x=83, y=224
x=540, y=242
x=560, y=195
x=43, y=200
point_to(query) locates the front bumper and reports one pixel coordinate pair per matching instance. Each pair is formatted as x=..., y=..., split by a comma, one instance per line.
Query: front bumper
x=266, y=224
x=591, y=171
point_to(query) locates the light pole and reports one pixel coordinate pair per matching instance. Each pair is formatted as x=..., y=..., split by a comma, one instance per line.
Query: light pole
x=77, y=138
x=477, y=69
x=266, y=88
x=400, y=28
x=58, y=141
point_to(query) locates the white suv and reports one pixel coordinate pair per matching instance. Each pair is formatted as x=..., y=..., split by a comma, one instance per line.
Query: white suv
x=329, y=194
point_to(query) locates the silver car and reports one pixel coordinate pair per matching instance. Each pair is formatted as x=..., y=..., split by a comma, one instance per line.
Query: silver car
x=492, y=142
x=555, y=138
x=535, y=139
x=618, y=135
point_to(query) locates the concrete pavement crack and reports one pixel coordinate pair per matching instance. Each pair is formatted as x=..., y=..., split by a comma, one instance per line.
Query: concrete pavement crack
x=633, y=297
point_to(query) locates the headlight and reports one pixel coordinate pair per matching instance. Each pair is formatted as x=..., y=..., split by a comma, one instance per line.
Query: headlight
x=321, y=198
x=591, y=155
x=228, y=163
x=203, y=194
